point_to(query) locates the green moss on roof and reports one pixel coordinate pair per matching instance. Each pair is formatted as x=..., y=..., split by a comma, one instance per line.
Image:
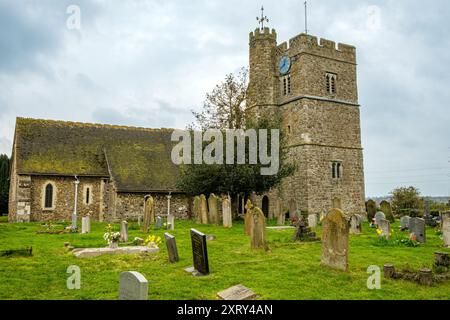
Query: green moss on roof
x=139, y=158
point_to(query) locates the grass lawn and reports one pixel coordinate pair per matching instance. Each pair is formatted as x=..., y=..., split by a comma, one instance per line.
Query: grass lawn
x=288, y=271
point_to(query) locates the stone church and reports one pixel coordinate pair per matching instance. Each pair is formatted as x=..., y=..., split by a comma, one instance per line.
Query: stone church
x=109, y=171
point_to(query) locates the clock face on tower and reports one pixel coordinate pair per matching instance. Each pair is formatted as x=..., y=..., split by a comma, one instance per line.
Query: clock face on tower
x=285, y=65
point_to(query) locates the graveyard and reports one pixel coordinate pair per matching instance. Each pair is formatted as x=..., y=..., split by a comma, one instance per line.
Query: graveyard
x=287, y=270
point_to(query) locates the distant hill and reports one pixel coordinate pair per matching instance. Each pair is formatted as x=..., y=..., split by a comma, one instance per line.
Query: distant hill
x=443, y=199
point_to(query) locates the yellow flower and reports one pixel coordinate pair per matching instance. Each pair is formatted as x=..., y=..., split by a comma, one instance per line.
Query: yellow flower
x=379, y=231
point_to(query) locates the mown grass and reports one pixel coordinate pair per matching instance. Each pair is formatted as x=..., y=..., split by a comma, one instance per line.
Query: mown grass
x=288, y=271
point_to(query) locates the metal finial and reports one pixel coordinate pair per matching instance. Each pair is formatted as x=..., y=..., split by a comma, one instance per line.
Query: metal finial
x=262, y=19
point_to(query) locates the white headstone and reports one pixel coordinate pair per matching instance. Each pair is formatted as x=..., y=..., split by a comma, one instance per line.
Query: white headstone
x=378, y=216
x=133, y=286
x=385, y=227
x=85, y=224
x=226, y=212
x=312, y=220
x=171, y=222
x=446, y=228
x=124, y=231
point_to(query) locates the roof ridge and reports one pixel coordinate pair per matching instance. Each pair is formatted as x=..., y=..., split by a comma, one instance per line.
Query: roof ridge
x=89, y=124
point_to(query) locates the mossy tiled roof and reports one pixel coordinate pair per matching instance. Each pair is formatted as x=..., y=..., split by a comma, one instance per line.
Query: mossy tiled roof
x=138, y=158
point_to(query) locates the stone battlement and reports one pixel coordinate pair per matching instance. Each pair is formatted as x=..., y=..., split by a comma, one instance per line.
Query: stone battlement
x=259, y=34
x=311, y=44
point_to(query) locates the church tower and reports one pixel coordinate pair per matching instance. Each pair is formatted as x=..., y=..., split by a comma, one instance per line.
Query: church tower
x=313, y=84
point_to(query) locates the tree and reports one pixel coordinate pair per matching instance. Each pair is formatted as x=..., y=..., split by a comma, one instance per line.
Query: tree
x=4, y=183
x=407, y=201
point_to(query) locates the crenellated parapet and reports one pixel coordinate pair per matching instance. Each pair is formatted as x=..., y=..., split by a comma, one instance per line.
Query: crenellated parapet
x=265, y=34
x=304, y=43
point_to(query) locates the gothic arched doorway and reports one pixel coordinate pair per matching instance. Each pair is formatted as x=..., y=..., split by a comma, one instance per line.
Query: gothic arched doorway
x=265, y=206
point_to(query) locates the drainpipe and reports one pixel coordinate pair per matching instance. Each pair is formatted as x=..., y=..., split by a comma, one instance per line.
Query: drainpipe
x=74, y=215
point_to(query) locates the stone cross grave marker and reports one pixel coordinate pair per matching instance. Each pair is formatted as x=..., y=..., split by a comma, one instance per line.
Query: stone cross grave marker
x=385, y=227
x=124, y=231
x=378, y=216
x=172, y=249
x=417, y=227
x=199, y=253
x=335, y=240
x=226, y=212
x=446, y=228
x=312, y=220
x=133, y=286
x=355, y=224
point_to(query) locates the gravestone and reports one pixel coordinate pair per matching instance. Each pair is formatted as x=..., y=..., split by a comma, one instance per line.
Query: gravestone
x=371, y=207
x=86, y=224
x=312, y=220
x=213, y=214
x=279, y=214
x=404, y=222
x=196, y=209
x=159, y=222
x=386, y=208
x=172, y=249
x=355, y=224
x=248, y=218
x=446, y=228
x=385, y=227
x=133, y=286
x=417, y=227
x=149, y=213
x=124, y=231
x=292, y=208
x=226, y=212
x=203, y=209
x=170, y=222
x=335, y=240
x=258, y=231
x=378, y=216
x=199, y=253
x=238, y=292
x=303, y=233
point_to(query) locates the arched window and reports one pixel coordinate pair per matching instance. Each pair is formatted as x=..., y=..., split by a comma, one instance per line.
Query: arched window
x=48, y=196
x=88, y=195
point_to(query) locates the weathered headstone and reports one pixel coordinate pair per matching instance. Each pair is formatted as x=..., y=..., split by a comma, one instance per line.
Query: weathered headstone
x=170, y=222
x=226, y=212
x=335, y=240
x=279, y=214
x=159, y=222
x=303, y=233
x=404, y=222
x=172, y=249
x=355, y=224
x=196, y=210
x=385, y=227
x=258, y=231
x=385, y=207
x=199, y=253
x=149, y=213
x=417, y=227
x=378, y=216
x=371, y=207
x=238, y=292
x=248, y=218
x=85, y=224
x=213, y=213
x=312, y=220
x=133, y=286
x=203, y=209
x=124, y=231
x=446, y=228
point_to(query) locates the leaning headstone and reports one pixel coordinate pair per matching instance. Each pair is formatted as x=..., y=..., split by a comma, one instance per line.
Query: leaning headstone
x=378, y=216
x=171, y=248
x=355, y=224
x=124, y=231
x=170, y=222
x=159, y=222
x=248, y=218
x=446, y=228
x=199, y=253
x=335, y=240
x=238, y=292
x=404, y=222
x=85, y=225
x=149, y=213
x=133, y=286
x=203, y=209
x=312, y=220
x=371, y=207
x=196, y=210
x=417, y=227
x=226, y=212
x=258, y=231
x=385, y=207
x=213, y=214
x=385, y=227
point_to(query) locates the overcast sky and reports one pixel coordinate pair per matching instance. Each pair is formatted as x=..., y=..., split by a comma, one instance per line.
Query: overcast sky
x=148, y=63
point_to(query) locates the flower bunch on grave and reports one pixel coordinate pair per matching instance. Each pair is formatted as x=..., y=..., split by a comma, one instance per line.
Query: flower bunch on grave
x=110, y=236
x=152, y=241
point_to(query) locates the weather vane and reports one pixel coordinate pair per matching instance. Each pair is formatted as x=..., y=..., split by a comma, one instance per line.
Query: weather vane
x=262, y=19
